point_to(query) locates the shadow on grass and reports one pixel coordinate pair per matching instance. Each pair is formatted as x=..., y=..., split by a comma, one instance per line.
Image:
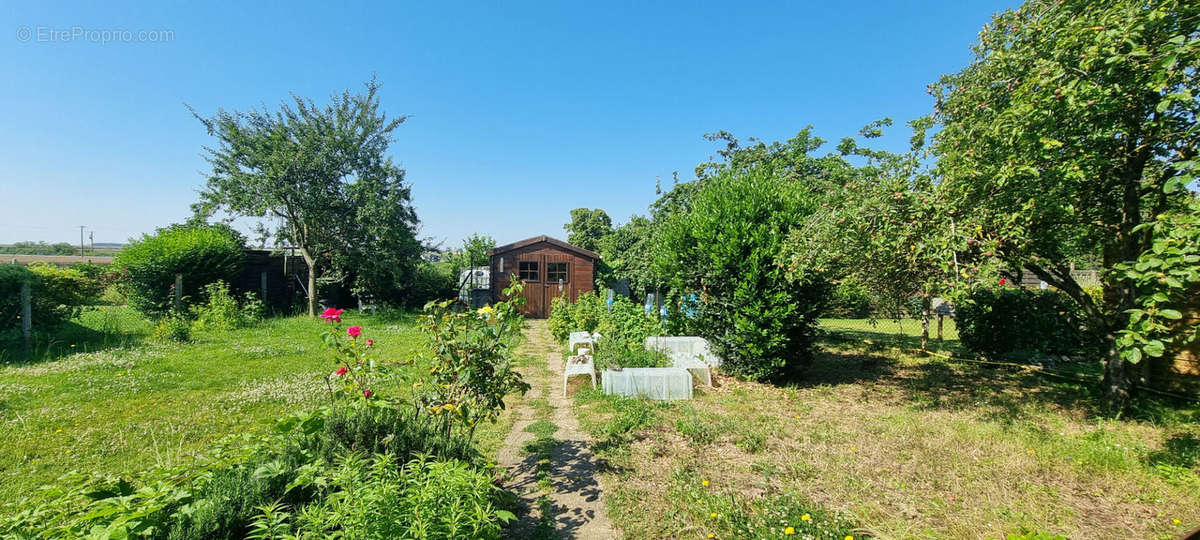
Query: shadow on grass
x=1003, y=394
x=69, y=338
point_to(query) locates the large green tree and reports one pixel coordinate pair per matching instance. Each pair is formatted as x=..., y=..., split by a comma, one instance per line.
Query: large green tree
x=878, y=225
x=323, y=174
x=1074, y=124
x=588, y=227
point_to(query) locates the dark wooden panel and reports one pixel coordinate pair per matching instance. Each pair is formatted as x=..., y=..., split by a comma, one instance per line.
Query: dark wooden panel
x=539, y=293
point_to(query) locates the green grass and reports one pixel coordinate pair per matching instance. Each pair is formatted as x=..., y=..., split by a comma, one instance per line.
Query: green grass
x=892, y=332
x=901, y=447
x=122, y=403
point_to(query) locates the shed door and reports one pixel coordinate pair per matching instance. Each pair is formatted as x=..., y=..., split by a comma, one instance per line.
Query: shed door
x=558, y=278
x=531, y=269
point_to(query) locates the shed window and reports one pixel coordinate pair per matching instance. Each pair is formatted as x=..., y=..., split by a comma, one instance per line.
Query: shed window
x=527, y=270
x=556, y=271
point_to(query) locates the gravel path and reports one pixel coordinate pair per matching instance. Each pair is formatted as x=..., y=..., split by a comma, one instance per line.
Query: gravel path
x=557, y=481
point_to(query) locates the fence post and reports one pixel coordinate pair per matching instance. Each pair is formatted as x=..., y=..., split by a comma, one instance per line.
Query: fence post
x=27, y=314
x=178, y=301
x=940, y=316
x=262, y=286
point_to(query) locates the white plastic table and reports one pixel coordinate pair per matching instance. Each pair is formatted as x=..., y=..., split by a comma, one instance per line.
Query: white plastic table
x=579, y=365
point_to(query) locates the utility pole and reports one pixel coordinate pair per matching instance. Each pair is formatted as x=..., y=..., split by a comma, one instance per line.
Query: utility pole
x=81, y=240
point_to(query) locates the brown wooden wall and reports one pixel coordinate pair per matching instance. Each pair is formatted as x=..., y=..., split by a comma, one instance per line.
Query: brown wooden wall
x=539, y=293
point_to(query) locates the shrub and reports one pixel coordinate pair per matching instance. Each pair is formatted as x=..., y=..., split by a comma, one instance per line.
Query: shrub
x=726, y=248
x=850, y=300
x=56, y=295
x=202, y=254
x=174, y=327
x=1020, y=324
x=379, y=498
x=221, y=311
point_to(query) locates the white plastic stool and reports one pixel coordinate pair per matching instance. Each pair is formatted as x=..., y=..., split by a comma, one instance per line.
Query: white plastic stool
x=579, y=365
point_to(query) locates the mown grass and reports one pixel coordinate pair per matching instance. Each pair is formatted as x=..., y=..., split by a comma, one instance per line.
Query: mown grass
x=127, y=403
x=903, y=447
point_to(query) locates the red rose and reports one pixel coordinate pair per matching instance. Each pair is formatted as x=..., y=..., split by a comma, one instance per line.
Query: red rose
x=354, y=331
x=341, y=371
x=367, y=393
x=332, y=315
x=1003, y=281
x=370, y=342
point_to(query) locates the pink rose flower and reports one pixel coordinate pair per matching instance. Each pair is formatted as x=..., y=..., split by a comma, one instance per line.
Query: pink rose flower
x=370, y=342
x=332, y=315
x=367, y=393
x=354, y=331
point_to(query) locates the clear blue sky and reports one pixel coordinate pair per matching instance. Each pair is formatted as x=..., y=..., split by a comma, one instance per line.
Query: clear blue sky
x=520, y=112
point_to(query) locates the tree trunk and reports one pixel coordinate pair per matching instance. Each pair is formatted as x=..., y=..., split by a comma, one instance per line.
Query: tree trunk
x=1117, y=384
x=312, y=282
x=925, y=303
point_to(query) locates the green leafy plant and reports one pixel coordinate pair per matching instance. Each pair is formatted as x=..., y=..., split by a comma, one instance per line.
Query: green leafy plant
x=222, y=311
x=471, y=366
x=375, y=497
x=1166, y=277
x=175, y=327
x=201, y=254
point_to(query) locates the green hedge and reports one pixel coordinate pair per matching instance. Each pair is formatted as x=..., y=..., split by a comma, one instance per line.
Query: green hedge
x=57, y=295
x=1010, y=323
x=202, y=254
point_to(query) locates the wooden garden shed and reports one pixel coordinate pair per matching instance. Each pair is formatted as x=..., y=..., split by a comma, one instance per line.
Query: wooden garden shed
x=548, y=266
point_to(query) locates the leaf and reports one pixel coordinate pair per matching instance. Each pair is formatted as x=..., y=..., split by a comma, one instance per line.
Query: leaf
x=1154, y=348
x=1133, y=355
x=1171, y=314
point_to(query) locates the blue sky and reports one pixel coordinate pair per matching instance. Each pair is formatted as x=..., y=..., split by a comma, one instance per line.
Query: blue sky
x=519, y=111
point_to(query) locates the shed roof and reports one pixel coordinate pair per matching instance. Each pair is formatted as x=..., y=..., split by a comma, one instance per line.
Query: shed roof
x=543, y=238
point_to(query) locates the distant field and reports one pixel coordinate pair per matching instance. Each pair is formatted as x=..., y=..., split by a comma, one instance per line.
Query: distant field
x=55, y=259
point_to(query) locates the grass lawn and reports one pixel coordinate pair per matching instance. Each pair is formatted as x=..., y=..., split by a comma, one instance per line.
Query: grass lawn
x=138, y=404
x=901, y=333
x=905, y=447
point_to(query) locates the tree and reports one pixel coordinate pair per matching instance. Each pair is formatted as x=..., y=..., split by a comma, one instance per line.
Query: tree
x=1074, y=124
x=588, y=228
x=472, y=254
x=324, y=174
x=878, y=226
x=628, y=253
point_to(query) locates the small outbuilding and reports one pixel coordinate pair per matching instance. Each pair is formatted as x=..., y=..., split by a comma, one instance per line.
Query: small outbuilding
x=548, y=266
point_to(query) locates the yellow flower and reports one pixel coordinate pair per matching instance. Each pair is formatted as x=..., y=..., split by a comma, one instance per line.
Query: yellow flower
x=805, y=517
x=713, y=515
x=704, y=483
x=848, y=537
x=59, y=430
x=789, y=530
x=711, y=535
x=1176, y=521
x=852, y=448
x=68, y=451
x=72, y=345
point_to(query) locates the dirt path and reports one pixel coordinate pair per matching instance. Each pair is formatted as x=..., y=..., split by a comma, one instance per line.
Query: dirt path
x=547, y=455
